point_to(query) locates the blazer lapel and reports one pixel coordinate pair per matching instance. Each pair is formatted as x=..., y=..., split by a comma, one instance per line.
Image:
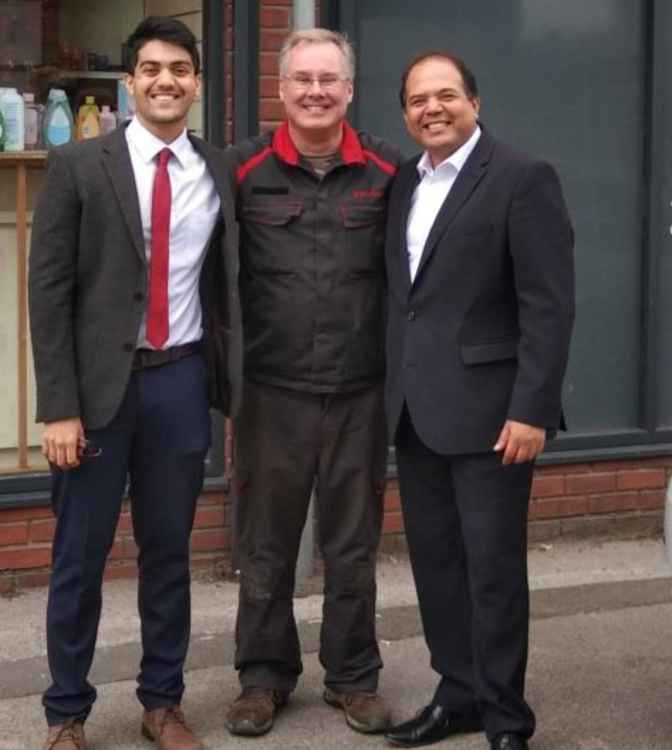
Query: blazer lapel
x=117, y=163
x=470, y=175
x=404, y=209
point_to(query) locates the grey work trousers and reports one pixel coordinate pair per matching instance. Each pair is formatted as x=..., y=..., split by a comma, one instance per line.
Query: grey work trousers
x=287, y=440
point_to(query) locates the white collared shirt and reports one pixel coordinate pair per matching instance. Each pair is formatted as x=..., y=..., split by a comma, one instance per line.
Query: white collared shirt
x=428, y=197
x=194, y=209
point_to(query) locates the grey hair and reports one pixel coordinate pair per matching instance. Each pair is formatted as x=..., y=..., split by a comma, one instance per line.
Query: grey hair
x=318, y=36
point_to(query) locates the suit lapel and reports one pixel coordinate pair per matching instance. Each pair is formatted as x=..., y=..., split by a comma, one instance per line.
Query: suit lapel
x=117, y=163
x=215, y=167
x=407, y=195
x=470, y=175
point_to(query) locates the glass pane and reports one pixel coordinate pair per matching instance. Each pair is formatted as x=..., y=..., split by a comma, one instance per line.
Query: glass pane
x=76, y=46
x=563, y=81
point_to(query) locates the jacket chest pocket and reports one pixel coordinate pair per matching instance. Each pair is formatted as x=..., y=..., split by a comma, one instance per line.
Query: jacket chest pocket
x=269, y=231
x=364, y=228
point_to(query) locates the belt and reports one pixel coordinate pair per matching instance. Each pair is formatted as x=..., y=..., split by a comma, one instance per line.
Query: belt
x=145, y=358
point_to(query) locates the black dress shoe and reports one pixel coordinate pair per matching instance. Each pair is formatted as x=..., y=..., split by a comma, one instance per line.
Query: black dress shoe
x=432, y=724
x=508, y=741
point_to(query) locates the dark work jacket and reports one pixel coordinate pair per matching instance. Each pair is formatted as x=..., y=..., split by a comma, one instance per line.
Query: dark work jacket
x=312, y=274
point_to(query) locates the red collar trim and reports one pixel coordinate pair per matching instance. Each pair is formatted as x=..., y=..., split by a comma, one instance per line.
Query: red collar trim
x=351, y=148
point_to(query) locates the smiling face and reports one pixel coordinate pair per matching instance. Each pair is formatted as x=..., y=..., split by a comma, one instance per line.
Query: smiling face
x=439, y=115
x=316, y=109
x=164, y=84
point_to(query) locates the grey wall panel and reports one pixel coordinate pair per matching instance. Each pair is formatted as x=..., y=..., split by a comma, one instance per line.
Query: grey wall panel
x=565, y=81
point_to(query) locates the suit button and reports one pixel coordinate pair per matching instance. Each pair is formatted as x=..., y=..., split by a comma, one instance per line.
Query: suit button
x=138, y=296
x=411, y=315
x=128, y=347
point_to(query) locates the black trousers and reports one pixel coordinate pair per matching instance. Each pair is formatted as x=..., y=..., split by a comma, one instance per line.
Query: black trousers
x=159, y=438
x=466, y=525
x=286, y=441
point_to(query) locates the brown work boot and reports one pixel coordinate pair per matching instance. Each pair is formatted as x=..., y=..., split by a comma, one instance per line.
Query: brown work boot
x=365, y=712
x=68, y=736
x=253, y=711
x=167, y=727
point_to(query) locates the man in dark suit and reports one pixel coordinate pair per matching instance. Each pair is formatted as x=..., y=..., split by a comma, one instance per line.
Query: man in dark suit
x=132, y=343
x=481, y=305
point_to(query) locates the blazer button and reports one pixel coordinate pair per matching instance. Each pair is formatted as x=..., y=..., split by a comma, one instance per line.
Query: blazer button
x=411, y=315
x=128, y=347
x=138, y=296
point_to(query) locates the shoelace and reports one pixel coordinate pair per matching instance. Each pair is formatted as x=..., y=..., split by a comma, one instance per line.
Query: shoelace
x=67, y=732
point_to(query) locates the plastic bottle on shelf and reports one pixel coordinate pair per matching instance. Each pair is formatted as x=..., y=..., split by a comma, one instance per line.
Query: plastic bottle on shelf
x=32, y=120
x=108, y=121
x=13, y=112
x=57, y=125
x=88, y=120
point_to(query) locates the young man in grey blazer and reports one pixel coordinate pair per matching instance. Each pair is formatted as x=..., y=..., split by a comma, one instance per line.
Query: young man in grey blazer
x=136, y=332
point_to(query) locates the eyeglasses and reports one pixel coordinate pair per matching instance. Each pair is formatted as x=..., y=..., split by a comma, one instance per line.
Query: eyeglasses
x=89, y=450
x=304, y=82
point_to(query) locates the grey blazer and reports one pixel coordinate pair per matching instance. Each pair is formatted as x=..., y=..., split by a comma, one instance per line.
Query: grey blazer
x=88, y=283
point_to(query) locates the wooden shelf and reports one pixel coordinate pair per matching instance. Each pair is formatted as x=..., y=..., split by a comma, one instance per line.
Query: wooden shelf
x=25, y=158
x=106, y=74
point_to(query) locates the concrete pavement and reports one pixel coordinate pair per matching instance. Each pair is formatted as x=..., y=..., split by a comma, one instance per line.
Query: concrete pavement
x=600, y=674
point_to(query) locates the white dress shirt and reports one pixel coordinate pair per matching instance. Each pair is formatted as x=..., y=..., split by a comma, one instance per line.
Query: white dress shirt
x=194, y=209
x=429, y=195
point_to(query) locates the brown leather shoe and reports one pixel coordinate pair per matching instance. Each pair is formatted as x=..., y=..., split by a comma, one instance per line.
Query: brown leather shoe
x=253, y=711
x=167, y=727
x=68, y=736
x=365, y=712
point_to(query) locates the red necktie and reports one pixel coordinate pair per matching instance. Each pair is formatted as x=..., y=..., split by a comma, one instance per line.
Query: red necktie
x=157, y=313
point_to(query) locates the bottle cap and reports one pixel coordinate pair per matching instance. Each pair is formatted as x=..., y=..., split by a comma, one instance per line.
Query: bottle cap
x=106, y=108
x=28, y=98
x=90, y=99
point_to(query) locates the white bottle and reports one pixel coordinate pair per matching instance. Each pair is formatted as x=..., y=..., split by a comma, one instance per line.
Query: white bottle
x=108, y=121
x=32, y=128
x=13, y=110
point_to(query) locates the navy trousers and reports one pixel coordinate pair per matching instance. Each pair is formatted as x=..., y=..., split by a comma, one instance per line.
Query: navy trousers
x=465, y=518
x=159, y=438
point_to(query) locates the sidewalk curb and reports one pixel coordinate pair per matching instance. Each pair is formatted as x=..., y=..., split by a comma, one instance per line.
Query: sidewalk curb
x=25, y=677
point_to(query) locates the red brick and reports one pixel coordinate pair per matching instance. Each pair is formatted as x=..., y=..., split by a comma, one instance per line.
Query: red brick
x=549, y=485
x=393, y=523
x=15, y=533
x=125, y=569
x=567, y=469
x=33, y=579
x=392, y=500
x=268, y=87
x=590, y=483
x=271, y=40
x=278, y=18
x=210, y=539
x=210, y=516
x=559, y=507
x=7, y=585
x=616, y=502
x=24, y=514
x=42, y=530
x=641, y=479
x=268, y=64
x=271, y=109
x=125, y=525
x=25, y=557
x=651, y=500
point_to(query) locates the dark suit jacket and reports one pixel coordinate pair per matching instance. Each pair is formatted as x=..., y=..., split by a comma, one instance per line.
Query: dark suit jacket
x=482, y=335
x=88, y=283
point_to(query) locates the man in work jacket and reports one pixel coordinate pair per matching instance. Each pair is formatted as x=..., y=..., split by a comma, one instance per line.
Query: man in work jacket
x=311, y=202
